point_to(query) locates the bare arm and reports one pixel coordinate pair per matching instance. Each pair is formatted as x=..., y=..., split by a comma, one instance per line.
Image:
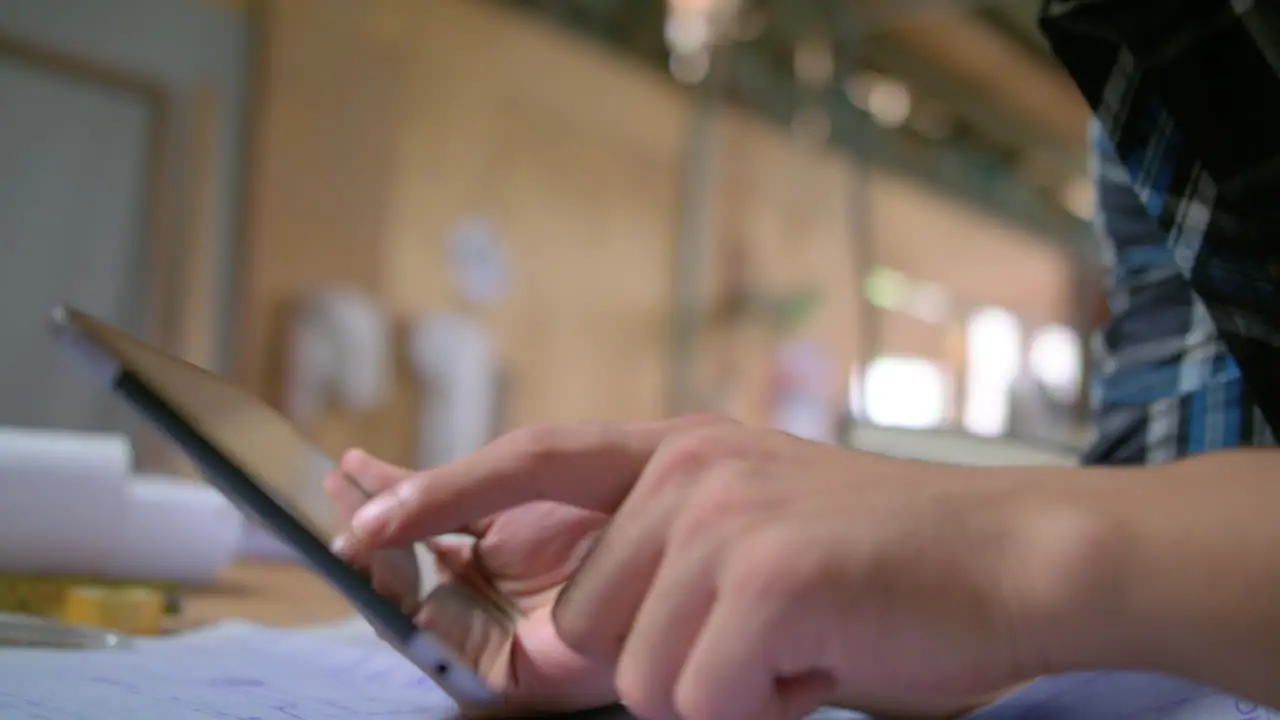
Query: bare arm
x=1192, y=571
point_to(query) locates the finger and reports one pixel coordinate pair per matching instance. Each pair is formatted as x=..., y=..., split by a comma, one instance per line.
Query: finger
x=728, y=675
x=665, y=630
x=374, y=474
x=596, y=609
x=358, y=475
x=800, y=696
x=394, y=573
x=590, y=466
x=345, y=497
x=349, y=551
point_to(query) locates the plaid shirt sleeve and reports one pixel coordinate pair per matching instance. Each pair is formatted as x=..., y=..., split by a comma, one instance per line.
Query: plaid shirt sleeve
x=1164, y=385
x=1188, y=92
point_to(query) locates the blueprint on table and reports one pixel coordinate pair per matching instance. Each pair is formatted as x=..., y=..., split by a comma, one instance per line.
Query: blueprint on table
x=249, y=675
x=1120, y=696
x=253, y=673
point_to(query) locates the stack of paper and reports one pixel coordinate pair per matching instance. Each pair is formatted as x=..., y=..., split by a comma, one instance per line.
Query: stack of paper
x=1120, y=696
x=244, y=672
x=271, y=675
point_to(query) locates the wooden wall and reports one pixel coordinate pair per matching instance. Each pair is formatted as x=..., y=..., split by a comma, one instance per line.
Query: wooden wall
x=381, y=123
x=787, y=206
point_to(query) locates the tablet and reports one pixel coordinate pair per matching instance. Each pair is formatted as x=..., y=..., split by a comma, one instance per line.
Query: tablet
x=244, y=447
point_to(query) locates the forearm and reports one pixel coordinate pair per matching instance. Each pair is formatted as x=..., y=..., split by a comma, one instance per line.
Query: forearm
x=1192, y=567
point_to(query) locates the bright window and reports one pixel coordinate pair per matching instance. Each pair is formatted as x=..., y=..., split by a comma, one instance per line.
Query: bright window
x=1055, y=360
x=904, y=392
x=993, y=349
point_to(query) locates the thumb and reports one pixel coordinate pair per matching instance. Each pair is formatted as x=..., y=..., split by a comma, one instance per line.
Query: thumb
x=460, y=563
x=452, y=557
x=465, y=624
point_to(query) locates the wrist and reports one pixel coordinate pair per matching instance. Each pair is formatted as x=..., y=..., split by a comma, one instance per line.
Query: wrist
x=1072, y=571
x=1192, y=576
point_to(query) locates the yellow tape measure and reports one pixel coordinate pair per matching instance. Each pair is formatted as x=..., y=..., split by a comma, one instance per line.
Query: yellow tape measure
x=135, y=608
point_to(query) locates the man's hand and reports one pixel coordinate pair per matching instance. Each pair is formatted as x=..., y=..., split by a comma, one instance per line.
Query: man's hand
x=749, y=574
x=526, y=554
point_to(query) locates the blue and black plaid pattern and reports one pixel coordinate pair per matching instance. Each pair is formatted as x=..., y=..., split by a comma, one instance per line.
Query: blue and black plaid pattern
x=1187, y=99
x=1164, y=384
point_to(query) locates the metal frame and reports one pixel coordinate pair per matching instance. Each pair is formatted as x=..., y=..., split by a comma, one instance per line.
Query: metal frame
x=162, y=254
x=760, y=79
x=693, y=240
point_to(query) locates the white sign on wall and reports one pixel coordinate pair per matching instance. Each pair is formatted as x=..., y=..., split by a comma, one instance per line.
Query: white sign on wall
x=477, y=262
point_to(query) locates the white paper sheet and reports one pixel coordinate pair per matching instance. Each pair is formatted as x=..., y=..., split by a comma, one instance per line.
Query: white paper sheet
x=176, y=530
x=1121, y=696
x=253, y=674
x=239, y=671
x=71, y=505
x=62, y=499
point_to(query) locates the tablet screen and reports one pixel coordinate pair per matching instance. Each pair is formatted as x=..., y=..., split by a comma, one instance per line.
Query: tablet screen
x=245, y=448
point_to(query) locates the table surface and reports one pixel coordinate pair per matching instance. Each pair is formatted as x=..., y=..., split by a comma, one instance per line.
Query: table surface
x=271, y=594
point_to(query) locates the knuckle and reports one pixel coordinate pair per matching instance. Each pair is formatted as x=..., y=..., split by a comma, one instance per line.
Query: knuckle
x=691, y=703
x=728, y=488
x=332, y=484
x=697, y=450
x=709, y=420
x=722, y=498
x=412, y=492
x=410, y=496
x=574, y=626
x=642, y=697
x=716, y=439
x=341, y=495
x=535, y=441
x=703, y=445
x=777, y=564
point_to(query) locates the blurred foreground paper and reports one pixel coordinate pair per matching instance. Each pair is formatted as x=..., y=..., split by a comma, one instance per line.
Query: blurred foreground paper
x=246, y=672
x=63, y=500
x=70, y=505
x=253, y=673
x=175, y=530
x=1116, y=695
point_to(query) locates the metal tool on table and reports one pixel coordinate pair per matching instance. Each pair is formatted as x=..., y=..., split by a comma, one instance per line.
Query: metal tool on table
x=124, y=608
x=59, y=597
x=21, y=630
